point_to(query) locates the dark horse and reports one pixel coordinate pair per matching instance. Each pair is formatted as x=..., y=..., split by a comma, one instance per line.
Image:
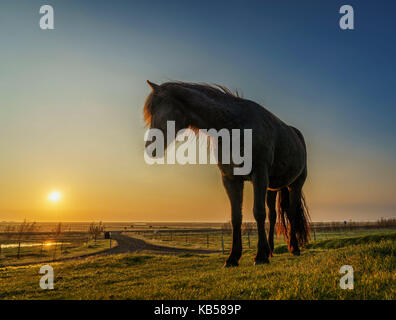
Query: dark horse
x=279, y=159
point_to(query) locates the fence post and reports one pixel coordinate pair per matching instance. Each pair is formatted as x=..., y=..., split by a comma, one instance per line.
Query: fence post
x=53, y=258
x=249, y=238
x=110, y=242
x=0, y=249
x=19, y=249
x=222, y=241
x=314, y=233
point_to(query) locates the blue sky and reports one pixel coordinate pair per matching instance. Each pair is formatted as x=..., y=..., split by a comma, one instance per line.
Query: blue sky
x=72, y=98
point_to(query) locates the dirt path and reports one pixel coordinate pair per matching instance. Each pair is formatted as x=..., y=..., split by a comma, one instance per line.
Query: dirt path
x=125, y=244
x=130, y=244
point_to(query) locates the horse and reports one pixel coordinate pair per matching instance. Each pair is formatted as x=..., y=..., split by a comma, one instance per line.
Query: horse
x=279, y=159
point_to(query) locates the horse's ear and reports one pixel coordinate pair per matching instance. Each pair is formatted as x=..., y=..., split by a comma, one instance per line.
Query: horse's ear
x=152, y=85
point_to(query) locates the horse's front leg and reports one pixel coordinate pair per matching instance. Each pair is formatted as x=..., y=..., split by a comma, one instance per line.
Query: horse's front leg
x=234, y=188
x=260, y=185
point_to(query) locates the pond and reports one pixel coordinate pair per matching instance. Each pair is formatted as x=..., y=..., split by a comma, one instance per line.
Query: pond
x=30, y=244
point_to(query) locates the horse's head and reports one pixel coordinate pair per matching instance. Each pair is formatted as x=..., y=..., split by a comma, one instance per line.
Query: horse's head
x=161, y=107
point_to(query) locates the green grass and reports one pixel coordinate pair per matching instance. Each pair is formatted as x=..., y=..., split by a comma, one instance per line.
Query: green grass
x=342, y=242
x=313, y=275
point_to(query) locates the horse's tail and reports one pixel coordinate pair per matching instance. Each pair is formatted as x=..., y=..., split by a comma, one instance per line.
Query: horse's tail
x=282, y=204
x=301, y=218
x=302, y=222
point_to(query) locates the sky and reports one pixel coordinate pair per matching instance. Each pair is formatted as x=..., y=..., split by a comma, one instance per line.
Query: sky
x=71, y=103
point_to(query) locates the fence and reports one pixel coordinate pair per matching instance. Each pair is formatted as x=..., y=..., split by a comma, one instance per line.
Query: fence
x=221, y=238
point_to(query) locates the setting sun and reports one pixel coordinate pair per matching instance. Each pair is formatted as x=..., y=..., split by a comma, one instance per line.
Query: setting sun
x=54, y=196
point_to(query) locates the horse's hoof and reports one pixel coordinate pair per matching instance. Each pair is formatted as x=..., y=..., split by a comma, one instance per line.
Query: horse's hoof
x=259, y=262
x=231, y=264
x=296, y=253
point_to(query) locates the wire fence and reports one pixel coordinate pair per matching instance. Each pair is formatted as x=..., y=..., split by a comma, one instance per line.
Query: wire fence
x=221, y=239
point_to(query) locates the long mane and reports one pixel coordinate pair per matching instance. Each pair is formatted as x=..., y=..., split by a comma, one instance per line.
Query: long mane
x=212, y=89
x=215, y=91
x=147, y=109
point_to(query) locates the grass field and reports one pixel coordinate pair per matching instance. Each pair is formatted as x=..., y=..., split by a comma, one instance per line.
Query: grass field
x=313, y=275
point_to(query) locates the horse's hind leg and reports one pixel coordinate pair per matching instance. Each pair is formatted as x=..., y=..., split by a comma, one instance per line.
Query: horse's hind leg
x=271, y=202
x=234, y=188
x=291, y=215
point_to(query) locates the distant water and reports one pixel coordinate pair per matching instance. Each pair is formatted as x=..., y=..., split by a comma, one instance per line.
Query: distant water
x=30, y=244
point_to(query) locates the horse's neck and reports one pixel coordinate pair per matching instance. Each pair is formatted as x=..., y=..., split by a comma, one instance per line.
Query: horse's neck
x=203, y=112
x=208, y=117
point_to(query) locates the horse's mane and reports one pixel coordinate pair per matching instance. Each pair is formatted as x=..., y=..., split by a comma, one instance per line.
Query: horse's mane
x=212, y=90
x=147, y=109
x=215, y=89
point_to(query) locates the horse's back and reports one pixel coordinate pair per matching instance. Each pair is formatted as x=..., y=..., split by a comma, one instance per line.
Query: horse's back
x=275, y=143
